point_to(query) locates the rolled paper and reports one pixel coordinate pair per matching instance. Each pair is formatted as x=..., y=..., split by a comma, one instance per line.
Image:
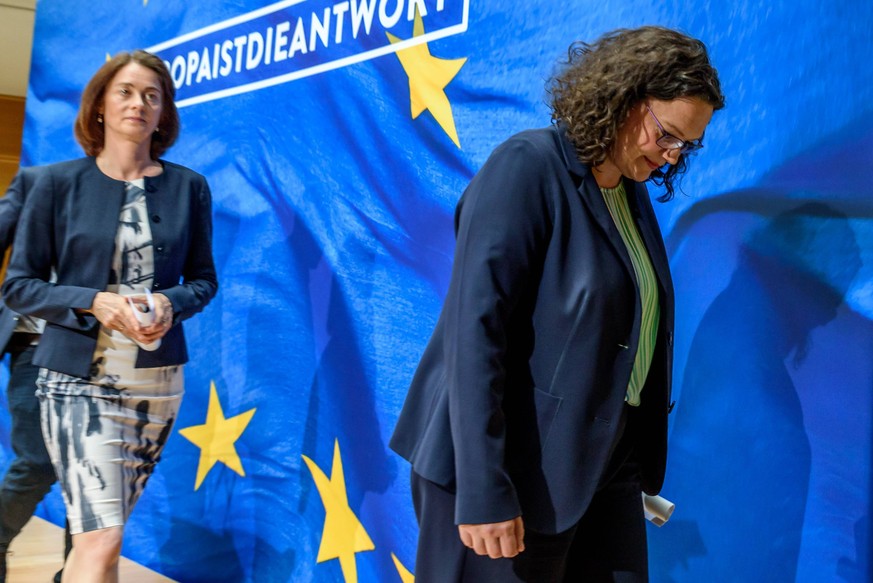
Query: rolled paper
x=657, y=509
x=145, y=315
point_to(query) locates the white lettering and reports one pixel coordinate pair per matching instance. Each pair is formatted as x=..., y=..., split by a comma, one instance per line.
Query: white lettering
x=298, y=43
x=388, y=22
x=280, y=53
x=177, y=71
x=362, y=12
x=239, y=42
x=215, y=53
x=274, y=41
x=320, y=29
x=413, y=4
x=203, y=71
x=268, y=53
x=226, y=61
x=254, y=50
x=193, y=61
x=339, y=11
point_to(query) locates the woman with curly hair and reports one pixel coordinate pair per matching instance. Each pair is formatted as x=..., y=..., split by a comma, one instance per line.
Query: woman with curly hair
x=538, y=413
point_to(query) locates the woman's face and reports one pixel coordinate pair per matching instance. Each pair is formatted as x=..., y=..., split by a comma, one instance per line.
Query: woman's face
x=636, y=153
x=132, y=105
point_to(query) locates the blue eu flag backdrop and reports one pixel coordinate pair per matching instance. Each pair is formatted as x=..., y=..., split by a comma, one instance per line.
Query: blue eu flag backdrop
x=337, y=137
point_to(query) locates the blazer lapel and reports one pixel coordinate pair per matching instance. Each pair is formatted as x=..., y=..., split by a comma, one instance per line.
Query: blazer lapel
x=590, y=194
x=592, y=198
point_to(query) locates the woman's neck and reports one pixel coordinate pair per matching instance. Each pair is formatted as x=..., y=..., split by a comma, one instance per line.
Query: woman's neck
x=607, y=174
x=127, y=162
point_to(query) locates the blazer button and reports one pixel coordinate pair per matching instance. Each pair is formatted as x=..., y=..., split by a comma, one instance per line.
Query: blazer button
x=159, y=248
x=156, y=219
x=669, y=339
x=156, y=286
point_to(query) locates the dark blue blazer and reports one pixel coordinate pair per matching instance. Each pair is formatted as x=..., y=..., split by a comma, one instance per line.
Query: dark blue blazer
x=10, y=210
x=517, y=398
x=69, y=224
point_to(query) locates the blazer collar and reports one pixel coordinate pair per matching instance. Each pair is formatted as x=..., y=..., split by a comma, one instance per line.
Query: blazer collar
x=568, y=151
x=647, y=223
x=154, y=183
x=151, y=183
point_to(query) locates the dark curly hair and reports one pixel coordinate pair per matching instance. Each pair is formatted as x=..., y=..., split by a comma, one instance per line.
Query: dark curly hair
x=90, y=133
x=601, y=82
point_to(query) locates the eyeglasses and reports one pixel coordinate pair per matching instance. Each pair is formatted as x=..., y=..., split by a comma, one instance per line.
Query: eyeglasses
x=670, y=142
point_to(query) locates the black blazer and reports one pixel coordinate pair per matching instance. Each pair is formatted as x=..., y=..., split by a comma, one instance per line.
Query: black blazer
x=516, y=400
x=69, y=223
x=10, y=211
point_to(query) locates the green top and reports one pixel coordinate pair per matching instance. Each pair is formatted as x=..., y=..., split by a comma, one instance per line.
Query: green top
x=616, y=201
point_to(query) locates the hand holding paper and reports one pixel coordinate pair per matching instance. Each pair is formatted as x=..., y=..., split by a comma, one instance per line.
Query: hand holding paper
x=145, y=314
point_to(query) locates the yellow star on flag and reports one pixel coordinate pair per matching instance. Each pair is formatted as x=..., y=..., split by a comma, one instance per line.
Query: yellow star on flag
x=428, y=78
x=405, y=575
x=216, y=437
x=343, y=534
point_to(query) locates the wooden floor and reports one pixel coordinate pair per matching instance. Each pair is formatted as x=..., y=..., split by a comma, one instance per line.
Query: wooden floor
x=38, y=552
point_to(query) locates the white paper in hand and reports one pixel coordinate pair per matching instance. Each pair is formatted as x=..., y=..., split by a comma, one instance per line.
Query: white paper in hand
x=145, y=314
x=657, y=509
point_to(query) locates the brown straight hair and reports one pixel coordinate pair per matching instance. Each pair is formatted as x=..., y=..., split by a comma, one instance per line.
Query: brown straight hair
x=89, y=131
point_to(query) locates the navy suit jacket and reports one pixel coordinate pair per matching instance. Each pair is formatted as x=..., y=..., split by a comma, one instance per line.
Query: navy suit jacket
x=69, y=224
x=517, y=398
x=10, y=211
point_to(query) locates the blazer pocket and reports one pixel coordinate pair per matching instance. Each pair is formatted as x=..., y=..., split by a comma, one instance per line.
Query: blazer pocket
x=547, y=406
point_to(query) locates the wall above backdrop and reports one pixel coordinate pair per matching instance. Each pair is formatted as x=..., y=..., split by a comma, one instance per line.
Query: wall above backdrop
x=16, y=39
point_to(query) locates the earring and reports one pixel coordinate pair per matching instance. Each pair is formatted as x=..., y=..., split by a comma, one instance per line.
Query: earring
x=99, y=118
x=157, y=130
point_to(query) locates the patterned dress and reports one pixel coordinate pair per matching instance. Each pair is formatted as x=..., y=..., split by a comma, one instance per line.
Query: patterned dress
x=105, y=433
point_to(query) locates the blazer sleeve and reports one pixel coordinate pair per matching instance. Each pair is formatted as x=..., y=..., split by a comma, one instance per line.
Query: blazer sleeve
x=10, y=211
x=10, y=207
x=28, y=288
x=199, y=282
x=502, y=222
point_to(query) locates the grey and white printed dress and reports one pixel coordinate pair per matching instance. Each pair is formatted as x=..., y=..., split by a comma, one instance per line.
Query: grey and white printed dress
x=106, y=433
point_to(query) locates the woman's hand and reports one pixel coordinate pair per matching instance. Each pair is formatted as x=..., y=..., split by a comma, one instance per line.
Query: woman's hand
x=114, y=312
x=163, y=319
x=497, y=540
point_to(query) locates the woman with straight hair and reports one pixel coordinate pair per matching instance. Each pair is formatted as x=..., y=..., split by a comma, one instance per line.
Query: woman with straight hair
x=113, y=251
